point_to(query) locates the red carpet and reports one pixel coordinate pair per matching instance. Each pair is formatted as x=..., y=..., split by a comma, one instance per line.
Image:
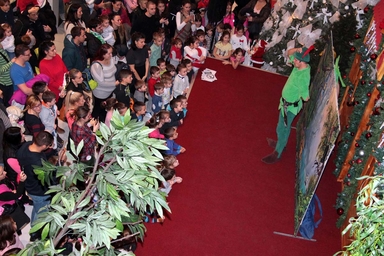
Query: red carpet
x=229, y=202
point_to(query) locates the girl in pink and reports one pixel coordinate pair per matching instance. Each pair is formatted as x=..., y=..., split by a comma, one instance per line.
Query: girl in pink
x=175, y=54
x=8, y=238
x=195, y=53
x=236, y=58
x=109, y=105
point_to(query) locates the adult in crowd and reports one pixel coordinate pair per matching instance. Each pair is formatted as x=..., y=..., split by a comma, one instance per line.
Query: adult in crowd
x=74, y=18
x=73, y=100
x=295, y=92
x=21, y=71
x=94, y=38
x=103, y=70
x=117, y=7
x=88, y=13
x=12, y=140
x=33, y=124
x=31, y=154
x=74, y=54
x=184, y=21
x=10, y=192
x=120, y=33
x=138, y=59
x=50, y=58
x=139, y=10
x=130, y=5
x=147, y=23
x=6, y=84
x=81, y=131
x=162, y=13
x=31, y=23
x=22, y=4
x=256, y=12
x=9, y=240
x=6, y=14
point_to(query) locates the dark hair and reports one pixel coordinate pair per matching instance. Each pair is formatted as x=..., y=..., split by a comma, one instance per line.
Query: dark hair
x=153, y=121
x=3, y=2
x=119, y=105
x=170, y=68
x=43, y=138
x=2, y=32
x=121, y=49
x=198, y=17
x=102, y=51
x=135, y=38
x=176, y=41
x=93, y=23
x=125, y=73
x=181, y=97
x=191, y=40
x=225, y=33
x=180, y=66
x=185, y=2
x=76, y=31
x=43, y=47
x=163, y=113
x=7, y=232
x=227, y=27
x=104, y=17
x=239, y=27
x=12, y=252
x=82, y=112
x=159, y=86
x=139, y=84
x=21, y=49
x=138, y=105
x=209, y=27
x=166, y=77
x=199, y=33
x=184, y=62
x=174, y=103
x=39, y=87
x=72, y=15
x=169, y=132
x=108, y=104
x=48, y=96
x=167, y=173
x=153, y=69
x=237, y=51
x=168, y=161
x=159, y=61
x=12, y=138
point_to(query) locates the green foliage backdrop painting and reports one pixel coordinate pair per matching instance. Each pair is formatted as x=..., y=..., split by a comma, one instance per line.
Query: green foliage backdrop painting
x=117, y=191
x=317, y=130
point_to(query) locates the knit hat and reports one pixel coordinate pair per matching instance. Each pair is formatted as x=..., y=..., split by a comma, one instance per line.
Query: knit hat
x=304, y=54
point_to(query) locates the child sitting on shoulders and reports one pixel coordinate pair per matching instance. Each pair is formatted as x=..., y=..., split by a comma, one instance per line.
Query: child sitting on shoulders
x=8, y=42
x=236, y=58
x=122, y=92
x=170, y=135
x=109, y=104
x=170, y=178
x=157, y=99
x=181, y=83
x=155, y=78
x=108, y=30
x=175, y=55
x=162, y=65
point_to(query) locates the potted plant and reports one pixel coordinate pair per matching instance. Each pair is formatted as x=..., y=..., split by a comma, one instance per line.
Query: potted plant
x=117, y=191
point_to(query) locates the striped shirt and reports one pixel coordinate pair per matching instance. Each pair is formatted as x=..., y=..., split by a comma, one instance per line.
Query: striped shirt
x=5, y=66
x=105, y=77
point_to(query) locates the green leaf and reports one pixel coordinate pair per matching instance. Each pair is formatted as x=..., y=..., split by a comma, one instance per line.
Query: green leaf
x=36, y=227
x=45, y=232
x=85, y=202
x=79, y=215
x=58, y=208
x=79, y=147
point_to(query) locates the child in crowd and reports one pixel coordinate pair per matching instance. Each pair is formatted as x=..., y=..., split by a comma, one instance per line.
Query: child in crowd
x=122, y=92
x=175, y=55
x=200, y=34
x=170, y=162
x=109, y=104
x=236, y=58
x=122, y=109
x=48, y=114
x=155, y=49
x=239, y=40
x=170, y=178
x=154, y=123
x=157, y=99
x=120, y=60
x=8, y=42
x=166, y=45
x=38, y=88
x=162, y=65
x=155, y=78
x=219, y=31
x=107, y=33
x=188, y=65
x=139, y=110
x=195, y=53
x=184, y=104
x=170, y=135
x=9, y=239
x=181, y=83
x=141, y=94
x=166, y=79
x=209, y=37
x=197, y=25
x=223, y=48
x=172, y=70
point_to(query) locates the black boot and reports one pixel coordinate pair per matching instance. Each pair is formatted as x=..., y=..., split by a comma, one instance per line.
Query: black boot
x=271, y=159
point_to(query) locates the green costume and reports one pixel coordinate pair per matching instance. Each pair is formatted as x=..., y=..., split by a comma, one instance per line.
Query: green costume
x=296, y=90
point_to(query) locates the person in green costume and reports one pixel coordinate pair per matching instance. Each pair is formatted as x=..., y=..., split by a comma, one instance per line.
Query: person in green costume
x=295, y=91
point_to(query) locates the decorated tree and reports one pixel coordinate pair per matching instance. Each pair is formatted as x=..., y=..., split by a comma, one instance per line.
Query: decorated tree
x=298, y=23
x=117, y=191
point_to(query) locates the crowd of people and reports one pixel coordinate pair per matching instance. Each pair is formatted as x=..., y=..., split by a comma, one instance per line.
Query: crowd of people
x=118, y=55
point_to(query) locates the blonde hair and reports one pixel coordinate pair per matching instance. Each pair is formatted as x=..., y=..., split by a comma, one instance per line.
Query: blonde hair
x=32, y=101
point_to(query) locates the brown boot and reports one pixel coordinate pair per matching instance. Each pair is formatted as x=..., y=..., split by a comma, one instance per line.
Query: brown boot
x=271, y=159
x=272, y=143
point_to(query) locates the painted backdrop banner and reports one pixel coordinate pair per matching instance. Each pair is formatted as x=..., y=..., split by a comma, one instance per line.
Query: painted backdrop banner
x=317, y=130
